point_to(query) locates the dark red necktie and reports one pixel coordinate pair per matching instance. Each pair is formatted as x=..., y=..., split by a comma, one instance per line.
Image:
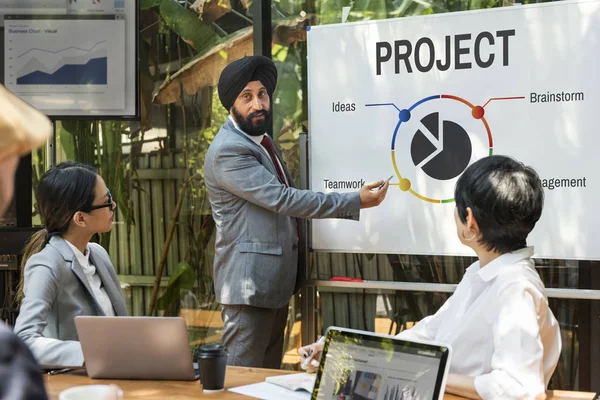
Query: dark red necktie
x=268, y=145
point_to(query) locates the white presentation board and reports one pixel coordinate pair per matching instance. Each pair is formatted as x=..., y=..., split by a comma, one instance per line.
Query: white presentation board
x=421, y=98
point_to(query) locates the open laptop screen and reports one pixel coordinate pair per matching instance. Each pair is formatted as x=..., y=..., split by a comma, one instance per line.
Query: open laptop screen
x=359, y=365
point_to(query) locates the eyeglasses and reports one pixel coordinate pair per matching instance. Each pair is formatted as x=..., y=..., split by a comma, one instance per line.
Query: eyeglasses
x=108, y=204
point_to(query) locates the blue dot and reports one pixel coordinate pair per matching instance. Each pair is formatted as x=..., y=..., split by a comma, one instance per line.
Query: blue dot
x=404, y=115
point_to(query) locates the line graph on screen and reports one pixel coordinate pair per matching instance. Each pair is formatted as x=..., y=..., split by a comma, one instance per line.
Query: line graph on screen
x=72, y=65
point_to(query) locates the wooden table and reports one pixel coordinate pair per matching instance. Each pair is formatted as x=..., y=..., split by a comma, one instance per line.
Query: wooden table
x=163, y=390
x=235, y=376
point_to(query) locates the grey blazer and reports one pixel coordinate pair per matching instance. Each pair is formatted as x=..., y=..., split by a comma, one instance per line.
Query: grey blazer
x=56, y=291
x=256, y=249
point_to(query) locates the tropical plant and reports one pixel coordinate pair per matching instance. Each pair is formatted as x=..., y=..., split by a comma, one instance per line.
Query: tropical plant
x=198, y=75
x=172, y=34
x=194, y=269
x=99, y=143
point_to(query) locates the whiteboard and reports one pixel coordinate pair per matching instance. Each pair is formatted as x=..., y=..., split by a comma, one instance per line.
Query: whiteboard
x=421, y=98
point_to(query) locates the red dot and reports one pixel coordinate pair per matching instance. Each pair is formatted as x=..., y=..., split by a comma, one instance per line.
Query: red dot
x=477, y=112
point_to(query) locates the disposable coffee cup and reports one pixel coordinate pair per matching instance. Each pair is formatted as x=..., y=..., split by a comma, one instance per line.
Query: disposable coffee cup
x=212, y=362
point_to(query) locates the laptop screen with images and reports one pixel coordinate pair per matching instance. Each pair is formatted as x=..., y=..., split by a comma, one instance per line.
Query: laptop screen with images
x=360, y=365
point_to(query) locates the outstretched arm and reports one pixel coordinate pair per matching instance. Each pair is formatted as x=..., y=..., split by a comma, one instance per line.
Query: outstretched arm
x=238, y=171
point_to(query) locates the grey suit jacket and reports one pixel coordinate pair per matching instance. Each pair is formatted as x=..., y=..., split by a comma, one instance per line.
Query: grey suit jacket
x=256, y=249
x=56, y=291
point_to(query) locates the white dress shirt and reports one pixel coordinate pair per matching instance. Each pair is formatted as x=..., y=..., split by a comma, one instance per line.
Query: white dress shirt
x=258, y=140
x=500, y=328
x=93, y=279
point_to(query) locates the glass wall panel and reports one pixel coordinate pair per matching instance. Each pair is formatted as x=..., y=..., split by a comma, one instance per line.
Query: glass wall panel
x=162, y=241
x=391, y=312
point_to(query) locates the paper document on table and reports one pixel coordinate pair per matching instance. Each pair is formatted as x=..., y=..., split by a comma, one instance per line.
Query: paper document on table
x=302, y=381
x=268, y=391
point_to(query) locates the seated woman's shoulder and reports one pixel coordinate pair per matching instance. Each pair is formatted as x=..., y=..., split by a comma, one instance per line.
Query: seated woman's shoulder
x=48, y=256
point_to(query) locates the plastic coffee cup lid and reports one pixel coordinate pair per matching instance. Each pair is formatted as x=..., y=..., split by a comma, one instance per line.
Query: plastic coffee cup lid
x=212, y=350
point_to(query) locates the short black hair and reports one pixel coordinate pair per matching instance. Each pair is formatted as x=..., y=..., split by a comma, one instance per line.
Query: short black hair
x=506, y=198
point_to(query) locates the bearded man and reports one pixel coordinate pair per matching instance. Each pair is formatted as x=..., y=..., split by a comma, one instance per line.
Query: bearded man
x=255, y=207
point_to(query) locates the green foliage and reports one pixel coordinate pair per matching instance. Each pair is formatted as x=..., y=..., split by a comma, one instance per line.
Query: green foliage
x=288, y=114
x=197, y=218
x=287, y=97
x=99, y=144
x=187, y=25
x=330, y=11
x=146, y=4
x=146, y=86
x=368, y=10
x=198, y=144
x=182, y=280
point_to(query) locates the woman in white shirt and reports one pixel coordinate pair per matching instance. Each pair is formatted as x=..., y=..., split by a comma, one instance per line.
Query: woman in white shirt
x=63, y=274
x=505, y=339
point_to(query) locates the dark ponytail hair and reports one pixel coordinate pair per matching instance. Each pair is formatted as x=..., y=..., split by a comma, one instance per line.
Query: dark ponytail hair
x=63, y=190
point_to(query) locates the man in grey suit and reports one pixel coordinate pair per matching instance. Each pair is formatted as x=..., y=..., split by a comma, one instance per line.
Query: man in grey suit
x=255, y=206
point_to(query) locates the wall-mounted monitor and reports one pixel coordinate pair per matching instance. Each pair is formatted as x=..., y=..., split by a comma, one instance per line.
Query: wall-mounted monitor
x=73, y=58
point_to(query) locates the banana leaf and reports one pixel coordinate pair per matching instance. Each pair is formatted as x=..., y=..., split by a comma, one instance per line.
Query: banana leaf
x=204, y=69
x=187, y=25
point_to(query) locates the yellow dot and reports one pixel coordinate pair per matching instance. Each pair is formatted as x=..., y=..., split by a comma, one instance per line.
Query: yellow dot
x=404, y=184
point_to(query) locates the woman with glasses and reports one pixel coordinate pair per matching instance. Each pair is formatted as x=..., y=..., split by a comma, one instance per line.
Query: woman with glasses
x=63, y=274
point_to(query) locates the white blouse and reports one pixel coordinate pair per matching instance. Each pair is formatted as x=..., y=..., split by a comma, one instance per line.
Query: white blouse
x=500, y=328
x=93, y=279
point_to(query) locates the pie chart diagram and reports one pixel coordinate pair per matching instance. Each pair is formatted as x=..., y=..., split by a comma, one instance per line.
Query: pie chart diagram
x=442, y=150
x=439, y=147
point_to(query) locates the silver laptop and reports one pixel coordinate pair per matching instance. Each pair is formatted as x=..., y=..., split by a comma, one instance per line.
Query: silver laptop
x=361, y=365
x=155, y=348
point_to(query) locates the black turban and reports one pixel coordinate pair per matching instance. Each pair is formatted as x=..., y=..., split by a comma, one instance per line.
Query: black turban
x=236, y=76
